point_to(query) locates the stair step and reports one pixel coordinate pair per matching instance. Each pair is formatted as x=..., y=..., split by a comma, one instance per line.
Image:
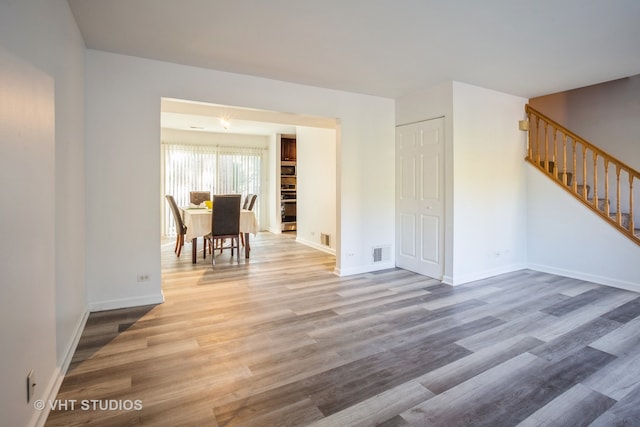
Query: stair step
x=625, y=218
x=602, y=203
x=568, y=175
x=580, y=187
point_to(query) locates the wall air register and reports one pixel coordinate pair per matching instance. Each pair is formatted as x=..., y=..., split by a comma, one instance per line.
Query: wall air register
x=381, y=253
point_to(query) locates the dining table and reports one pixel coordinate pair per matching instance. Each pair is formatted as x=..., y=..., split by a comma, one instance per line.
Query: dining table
x=198, y=223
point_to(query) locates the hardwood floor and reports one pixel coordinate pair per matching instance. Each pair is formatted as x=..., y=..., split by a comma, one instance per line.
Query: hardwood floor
x=282, y=341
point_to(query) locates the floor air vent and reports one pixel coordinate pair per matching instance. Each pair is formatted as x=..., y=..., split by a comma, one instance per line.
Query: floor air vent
x=325, y=239
x=381, y=253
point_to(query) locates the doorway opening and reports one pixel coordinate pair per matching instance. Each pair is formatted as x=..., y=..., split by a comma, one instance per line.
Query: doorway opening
x=240, y=134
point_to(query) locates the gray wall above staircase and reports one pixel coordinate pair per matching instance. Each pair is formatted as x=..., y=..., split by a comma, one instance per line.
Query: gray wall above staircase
x=605, y=114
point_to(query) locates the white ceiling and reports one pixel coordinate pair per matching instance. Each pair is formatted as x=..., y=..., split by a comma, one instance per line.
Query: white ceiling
x=386, y=48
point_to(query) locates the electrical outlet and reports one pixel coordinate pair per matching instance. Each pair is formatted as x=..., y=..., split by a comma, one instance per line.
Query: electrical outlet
x=31, y=385
x=143, y=277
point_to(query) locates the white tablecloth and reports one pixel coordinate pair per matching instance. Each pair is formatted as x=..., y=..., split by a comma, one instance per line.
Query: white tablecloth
x=198, y=222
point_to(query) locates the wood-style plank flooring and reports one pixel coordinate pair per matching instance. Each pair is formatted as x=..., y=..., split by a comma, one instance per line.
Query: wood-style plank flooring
x=282, y=341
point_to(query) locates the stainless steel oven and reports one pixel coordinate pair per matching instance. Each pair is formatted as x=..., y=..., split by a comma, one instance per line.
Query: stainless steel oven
x=288, y=209
x=288, y=184
x=287, y=169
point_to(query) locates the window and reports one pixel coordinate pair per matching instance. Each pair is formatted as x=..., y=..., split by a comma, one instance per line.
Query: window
x=220, y=170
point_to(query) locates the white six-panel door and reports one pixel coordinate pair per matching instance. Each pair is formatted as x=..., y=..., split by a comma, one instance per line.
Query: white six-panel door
x=420, y=197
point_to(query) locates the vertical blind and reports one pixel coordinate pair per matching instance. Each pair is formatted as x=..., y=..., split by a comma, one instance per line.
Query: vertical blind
x=219, y=170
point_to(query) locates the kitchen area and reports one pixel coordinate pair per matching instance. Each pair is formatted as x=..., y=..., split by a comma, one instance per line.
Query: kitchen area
x=288, y=183
x=305, y=179
x=301, y=186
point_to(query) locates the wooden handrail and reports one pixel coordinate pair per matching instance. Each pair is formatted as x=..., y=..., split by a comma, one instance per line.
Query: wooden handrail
x=544, y=153
x=567, y=132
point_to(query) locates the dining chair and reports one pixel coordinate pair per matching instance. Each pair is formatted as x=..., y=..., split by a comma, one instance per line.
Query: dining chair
x=197, y=197
x=225, y=224
x=249, y=203
x=181, y=229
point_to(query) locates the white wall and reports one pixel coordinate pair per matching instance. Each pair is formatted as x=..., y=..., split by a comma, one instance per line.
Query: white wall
x=489, y=183
x=316, y=195
x=28, y=258
x=567, y=239
x=126, y=91
x=177, y=136
x=272, y=205
x=485, y=189
x=43, y=300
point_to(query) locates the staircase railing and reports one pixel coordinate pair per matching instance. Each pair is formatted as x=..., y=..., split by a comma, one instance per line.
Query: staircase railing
x=579, y=166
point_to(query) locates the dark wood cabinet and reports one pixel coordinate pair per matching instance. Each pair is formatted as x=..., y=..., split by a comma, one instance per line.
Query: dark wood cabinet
x=288, y=149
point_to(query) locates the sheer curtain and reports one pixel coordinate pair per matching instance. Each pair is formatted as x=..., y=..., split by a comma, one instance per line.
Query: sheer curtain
x=220, y=170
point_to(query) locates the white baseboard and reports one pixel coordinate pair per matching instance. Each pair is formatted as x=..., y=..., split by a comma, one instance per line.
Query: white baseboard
x=479, y=275
x=601, y=280
x=364, y=269
x=317, y=246
x=126, y=302
x=447, y=280
x=58, y=376
x=40, y=417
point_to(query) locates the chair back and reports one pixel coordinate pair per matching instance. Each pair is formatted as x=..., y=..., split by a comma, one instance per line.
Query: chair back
x=177, y=217
x=197, y=197
x=249, y=202
x=225, y=215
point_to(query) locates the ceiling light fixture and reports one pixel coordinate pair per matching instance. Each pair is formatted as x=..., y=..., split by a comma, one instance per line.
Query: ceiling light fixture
x=225, y=123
